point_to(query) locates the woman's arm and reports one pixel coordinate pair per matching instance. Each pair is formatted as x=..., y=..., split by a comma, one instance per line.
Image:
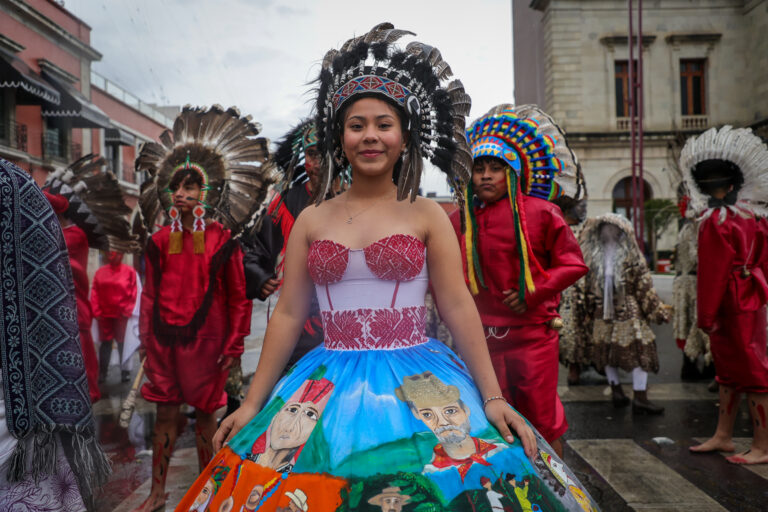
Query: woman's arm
x=459, y=312
x=282, y=333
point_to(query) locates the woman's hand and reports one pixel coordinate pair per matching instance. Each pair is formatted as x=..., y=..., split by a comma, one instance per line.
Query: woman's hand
x=503, y=417
x=232, y=424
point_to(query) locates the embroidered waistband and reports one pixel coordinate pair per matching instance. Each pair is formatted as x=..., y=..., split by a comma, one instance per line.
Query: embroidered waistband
x=367, y=329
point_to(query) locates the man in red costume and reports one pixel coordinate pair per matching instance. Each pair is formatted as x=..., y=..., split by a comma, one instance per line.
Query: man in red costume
x=519, y=254
x=113, y=297
x=194, y=317
x=731, y=301
x=77, y=246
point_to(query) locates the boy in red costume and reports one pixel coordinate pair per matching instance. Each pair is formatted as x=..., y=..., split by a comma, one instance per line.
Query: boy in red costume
x=207, y=174
x=113, y=297
x=508, y=230
x=194, y=317
x=726, y=169
x=77, y=246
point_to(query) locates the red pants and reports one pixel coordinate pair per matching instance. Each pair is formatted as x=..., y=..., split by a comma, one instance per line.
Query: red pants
x=739, y=351
x=186, y=374
x=91, y=364
x=526, y=362
x=112, y=328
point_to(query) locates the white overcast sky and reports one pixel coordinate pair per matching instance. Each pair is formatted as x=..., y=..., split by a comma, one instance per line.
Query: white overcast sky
x=260, y=55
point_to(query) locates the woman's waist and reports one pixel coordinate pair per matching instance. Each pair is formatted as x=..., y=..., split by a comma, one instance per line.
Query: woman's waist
x=374, y=328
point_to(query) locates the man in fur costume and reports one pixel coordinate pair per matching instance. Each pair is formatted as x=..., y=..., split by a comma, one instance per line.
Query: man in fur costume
x=519, y=254
x=725, y=170
x=618, y=303
x=689, y=337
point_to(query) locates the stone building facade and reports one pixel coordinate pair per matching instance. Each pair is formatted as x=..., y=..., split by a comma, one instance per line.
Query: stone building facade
x=705, y=64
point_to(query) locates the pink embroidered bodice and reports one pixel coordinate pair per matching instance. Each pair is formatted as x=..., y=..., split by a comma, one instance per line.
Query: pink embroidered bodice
x=371, y=298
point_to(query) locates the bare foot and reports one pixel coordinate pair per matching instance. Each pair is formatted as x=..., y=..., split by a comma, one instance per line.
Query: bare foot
x=714, y=444
x=752, y=456
x=154, y=503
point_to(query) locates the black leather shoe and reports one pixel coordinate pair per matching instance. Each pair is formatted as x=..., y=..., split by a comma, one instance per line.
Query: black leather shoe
x=618, y=397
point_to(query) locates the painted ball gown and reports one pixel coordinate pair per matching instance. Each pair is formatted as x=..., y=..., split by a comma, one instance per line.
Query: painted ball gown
x=379, y=417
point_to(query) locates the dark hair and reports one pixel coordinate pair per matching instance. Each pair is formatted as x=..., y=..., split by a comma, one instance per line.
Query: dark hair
x=715, y=174
x=182, y=175
x=342, y=114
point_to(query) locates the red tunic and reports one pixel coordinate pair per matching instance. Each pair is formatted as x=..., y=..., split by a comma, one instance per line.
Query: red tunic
x=733, y=255
x=180, y=372
x=77, y=246
x=113, y=296
x=524, y=350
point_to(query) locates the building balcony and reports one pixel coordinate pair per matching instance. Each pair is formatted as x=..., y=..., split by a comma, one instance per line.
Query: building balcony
x=694, y=122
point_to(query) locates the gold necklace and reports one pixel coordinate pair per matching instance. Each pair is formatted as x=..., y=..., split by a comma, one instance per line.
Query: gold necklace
x=350, y=217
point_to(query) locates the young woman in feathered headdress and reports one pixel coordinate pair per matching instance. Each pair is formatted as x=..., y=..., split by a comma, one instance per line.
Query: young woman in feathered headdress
x=397, y=406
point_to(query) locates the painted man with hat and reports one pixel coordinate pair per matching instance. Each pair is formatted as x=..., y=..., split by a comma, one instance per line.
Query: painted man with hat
x=391, y=499
x=441, y=409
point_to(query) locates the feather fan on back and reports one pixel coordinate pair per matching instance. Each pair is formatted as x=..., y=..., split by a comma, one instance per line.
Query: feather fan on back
x=233, y=160
x=96, y=203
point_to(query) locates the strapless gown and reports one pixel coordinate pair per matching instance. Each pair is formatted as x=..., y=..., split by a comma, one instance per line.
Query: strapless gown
x=379, y=417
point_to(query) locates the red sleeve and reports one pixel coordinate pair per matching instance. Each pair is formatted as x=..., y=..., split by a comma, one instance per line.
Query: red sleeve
x=716, y=257
x=128, y=288
x=566, y=264
x=95, y=296
x=148, y=294
x=239, y=306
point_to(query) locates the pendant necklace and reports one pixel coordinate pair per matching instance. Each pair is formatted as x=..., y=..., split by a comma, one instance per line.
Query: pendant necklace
x=350, y=217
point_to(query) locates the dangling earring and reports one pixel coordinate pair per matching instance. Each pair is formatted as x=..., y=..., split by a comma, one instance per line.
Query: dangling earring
x=198, y=232
x=175, y=240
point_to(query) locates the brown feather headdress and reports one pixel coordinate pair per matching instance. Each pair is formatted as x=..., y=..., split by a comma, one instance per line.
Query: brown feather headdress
x=96, y=204
x=224, y=148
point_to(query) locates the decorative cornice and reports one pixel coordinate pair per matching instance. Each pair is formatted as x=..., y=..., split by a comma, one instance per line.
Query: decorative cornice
x=50, y=28
x=10, y=45
x=56, y=71
x=701, y=38
x=623, y=40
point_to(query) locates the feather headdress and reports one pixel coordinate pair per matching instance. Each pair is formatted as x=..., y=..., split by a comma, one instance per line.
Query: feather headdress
x=745, y=151
x=223, y=148
x=540, y=164
x=96, y=204
x=290, y=155
x=410, y=78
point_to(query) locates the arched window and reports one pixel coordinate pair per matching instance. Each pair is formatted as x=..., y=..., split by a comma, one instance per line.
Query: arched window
x=622, y=196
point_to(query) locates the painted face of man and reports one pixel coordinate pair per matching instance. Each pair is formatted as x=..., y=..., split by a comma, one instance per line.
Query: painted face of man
x=186, y=196
x=292, y=426
x=205, y=494
x=489, y=179
x=450, y=423
x=253, y=499
x=392, y=504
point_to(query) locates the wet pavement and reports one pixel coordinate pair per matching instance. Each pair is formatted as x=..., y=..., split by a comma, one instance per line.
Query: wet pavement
x=627, y=462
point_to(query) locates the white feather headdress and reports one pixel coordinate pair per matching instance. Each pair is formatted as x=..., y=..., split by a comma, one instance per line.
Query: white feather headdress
x=739, y=146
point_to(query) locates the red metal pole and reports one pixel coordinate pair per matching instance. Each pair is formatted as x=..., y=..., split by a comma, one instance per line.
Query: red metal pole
x=631, y=95
x=641, y=179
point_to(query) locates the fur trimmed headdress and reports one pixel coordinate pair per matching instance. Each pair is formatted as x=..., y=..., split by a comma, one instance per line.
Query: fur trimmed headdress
x=736, y=150
x=222, y=147
x=95, y=203
x=540, y=164
x=412, y=79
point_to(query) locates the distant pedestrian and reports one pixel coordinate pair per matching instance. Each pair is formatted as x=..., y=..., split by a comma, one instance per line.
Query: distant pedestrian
x=619, y=303
x=50, y=459
x=726, y=172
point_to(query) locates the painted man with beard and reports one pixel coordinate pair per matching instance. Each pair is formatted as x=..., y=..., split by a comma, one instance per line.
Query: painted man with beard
x=440, y=408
